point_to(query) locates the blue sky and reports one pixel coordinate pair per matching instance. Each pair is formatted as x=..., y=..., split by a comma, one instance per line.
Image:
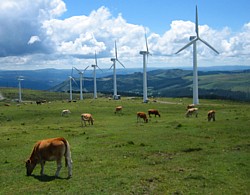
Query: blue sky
x=65, y=33
x=158, y=14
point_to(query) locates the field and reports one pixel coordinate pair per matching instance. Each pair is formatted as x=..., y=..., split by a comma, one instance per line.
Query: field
x=168, y=155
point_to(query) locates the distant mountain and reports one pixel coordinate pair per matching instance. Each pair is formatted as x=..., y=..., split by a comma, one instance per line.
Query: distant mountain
x=227, y=82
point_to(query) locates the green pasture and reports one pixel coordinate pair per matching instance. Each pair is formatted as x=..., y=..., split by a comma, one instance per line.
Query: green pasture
x=168, y=155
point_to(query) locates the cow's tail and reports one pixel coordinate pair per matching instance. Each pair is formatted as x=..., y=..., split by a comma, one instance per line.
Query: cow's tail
x=68, y=159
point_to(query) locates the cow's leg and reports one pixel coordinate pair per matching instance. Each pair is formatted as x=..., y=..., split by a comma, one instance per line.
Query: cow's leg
x=69, y=164
x=59, y=166
x=42, y=168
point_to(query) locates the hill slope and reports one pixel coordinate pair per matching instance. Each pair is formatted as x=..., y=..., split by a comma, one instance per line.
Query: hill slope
x=174, y=83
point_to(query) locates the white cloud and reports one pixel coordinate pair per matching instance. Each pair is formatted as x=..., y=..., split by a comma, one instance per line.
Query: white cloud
x=61, y=43
x=33, y=39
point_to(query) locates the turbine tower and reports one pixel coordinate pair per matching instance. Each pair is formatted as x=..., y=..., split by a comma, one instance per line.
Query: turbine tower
x=81, y=79
x=114, y=60
x=20, y=79
x=193, y=40
x=145, y=61
x=94, y=73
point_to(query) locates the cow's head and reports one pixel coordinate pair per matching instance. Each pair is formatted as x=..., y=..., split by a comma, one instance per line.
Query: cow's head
x=29, y=167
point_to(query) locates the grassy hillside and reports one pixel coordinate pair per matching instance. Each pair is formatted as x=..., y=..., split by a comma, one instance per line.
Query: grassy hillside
x=169, y=155
x=233, y=85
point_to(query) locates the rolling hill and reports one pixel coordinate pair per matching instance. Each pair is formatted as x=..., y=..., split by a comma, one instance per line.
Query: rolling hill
x=233, y=85
x=215, y=84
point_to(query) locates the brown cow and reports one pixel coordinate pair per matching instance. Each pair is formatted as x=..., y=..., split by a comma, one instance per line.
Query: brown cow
x=211, y=115
x=143, y=116
x=50, y=150
x=118, y=109
x=153, y=111
x=87, y=117
x=192, y=111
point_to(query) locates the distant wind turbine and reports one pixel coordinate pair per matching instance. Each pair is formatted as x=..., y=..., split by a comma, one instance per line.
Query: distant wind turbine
x=81, y=79
x=20, y=79
x=114, y=60
x=94, y=73
x=145, y=61
x=193, y=40
x=70, y=85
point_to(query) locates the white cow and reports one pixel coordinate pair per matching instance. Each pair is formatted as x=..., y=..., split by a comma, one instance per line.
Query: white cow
x=192, y=111
x=65, y=112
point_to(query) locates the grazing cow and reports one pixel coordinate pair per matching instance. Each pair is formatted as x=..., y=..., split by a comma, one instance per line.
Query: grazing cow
x=87, y=117
x=50, y=150
x=143, y=116
x=192, y=111
x=211, y=115
x=38, y=103
x=153, y=111
x=65, y=112
x=190, y=106
x=118, y=109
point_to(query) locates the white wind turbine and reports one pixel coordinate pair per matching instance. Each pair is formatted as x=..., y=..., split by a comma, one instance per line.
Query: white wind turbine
x=20, y=79
x=70, y=85
x=193, y=40
x=81, y=79
x=114, y=60
x=145, y=61
x=94, y=73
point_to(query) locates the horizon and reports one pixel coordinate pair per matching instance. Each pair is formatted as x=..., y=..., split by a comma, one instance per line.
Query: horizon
x=217, y=68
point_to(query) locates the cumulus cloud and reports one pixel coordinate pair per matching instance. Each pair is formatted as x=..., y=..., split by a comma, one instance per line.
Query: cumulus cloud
x=32, y=33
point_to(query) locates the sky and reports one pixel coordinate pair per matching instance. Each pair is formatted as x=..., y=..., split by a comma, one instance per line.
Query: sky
x=63, y=34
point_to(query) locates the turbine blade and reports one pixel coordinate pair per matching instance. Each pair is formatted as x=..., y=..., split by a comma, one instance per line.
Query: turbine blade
x=120, y=63
x=190, y=43
x=72, y=71
x=95, y=59
x=111, y=67
x=116, y=51
x=207, y=44
x=78, y=70
x=146, y=40
x=86, y=68
x=99, y=68
x=196, y=22
x=74, y=81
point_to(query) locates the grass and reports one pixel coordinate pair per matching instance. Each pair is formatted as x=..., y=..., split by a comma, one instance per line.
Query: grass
x=169, y=155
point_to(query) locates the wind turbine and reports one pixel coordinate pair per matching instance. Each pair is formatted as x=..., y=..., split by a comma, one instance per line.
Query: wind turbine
x=70, y=85
x=20, y=79
x=94, y=73
x=145, y=61
x=114, y=60
x=81, y=79
x=193, y=40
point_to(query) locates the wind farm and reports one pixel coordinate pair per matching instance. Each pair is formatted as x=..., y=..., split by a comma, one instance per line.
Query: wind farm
x=118, y=85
